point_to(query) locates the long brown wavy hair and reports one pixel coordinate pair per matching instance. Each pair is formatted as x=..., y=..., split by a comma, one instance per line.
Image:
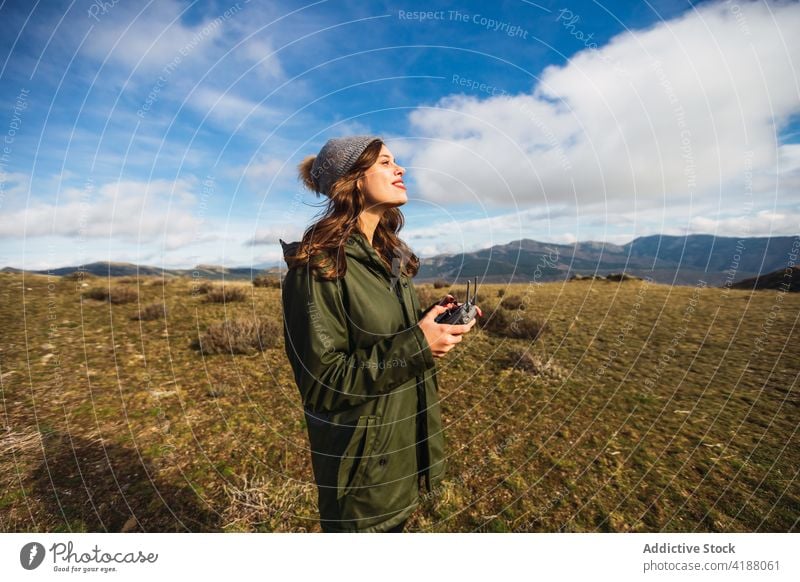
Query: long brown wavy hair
x=322, y=245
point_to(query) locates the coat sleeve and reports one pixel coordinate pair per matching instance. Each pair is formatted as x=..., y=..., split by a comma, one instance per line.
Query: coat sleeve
x=329, y=375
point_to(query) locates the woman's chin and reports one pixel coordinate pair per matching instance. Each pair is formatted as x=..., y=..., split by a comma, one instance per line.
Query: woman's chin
x=394, y=201
x=397, y=201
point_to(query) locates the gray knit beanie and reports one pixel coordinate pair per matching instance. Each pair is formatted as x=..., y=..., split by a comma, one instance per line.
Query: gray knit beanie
x=336, y=158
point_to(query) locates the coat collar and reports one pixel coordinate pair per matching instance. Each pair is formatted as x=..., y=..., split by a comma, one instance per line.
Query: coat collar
x=358, y=247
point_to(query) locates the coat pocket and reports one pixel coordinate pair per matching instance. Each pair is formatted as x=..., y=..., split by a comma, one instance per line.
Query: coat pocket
x=356, y=458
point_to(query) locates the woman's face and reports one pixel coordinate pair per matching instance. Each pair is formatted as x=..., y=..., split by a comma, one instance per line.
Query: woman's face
x=382, y=183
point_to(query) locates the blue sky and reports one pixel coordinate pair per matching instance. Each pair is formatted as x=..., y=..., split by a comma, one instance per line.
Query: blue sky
x=168, y=133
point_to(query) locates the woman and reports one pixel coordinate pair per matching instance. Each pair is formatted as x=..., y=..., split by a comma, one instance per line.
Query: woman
x=361, y=350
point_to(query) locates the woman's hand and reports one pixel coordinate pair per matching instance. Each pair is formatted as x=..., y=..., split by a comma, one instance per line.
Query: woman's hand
x=449, y=301
x=442, y=337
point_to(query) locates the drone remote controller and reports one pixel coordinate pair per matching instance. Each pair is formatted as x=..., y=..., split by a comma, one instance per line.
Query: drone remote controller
x=463, y=313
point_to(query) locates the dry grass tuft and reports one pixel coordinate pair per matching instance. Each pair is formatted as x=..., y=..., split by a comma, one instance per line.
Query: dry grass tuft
x=240, y=336
x=151, y=312
x=514, y=324
x=20, y=443
x=266, y=505
x=225, y=294
x=535, y=364
x=268, y=281
x=513, y=302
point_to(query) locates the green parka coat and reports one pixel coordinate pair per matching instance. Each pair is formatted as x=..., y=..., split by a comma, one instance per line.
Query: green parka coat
x=368, y=384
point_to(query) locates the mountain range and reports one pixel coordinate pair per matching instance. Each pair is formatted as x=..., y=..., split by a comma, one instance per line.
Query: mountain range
x=678, y=260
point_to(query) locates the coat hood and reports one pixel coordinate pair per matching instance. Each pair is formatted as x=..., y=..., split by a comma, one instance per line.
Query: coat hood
x=357, y=247
x=288, y=250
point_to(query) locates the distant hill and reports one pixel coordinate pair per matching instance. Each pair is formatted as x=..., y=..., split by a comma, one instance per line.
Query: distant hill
x=112, y=269
x=781, y=279
x=679, y=260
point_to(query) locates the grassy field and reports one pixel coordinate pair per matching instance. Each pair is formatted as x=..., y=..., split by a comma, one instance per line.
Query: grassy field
x=640, y=407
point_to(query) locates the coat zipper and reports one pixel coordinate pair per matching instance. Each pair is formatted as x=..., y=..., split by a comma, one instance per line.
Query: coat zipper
x=422, y=403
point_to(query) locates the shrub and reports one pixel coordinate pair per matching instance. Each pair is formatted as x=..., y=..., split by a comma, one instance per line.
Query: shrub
x=534, y=364
x=201, y=288
x=513, y=302
x=112, y=294
x=622, y=277
x=501, y=292
x=239, y=336
x=529, y=329
x=79, y=276
x=269, y=281
x=440, y=284
x=225, y=294
x=151, y=312
x=163, y=281
x=514, y=325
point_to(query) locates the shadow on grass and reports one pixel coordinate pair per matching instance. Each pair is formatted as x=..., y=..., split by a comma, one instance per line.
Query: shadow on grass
x=97, y=488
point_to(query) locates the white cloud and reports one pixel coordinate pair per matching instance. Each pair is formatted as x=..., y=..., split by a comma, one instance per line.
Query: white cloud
x=678, y=109
x=133, y=211
x=789, y=158
x=14, y=187
x=260, y=52
x=270, y=256
x=229, y=109
x=763, y=223
x=171, y=55
x=269, y=235
x=568, y=224
x=490, y=227
x=261, y=173
x=151, y=38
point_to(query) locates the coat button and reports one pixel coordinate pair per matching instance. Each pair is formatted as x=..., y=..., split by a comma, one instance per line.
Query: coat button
x=405, y=283
x=382, y=461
